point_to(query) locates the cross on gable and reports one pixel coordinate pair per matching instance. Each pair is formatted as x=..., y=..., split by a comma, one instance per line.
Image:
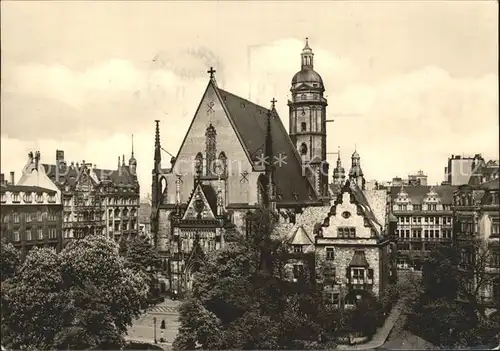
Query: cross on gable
x=273, y=103
x=211, y=71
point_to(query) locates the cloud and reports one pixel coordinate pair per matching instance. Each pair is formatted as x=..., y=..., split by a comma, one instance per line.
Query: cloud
x=401, y=123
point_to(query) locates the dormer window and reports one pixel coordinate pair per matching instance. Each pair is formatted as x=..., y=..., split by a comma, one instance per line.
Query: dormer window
x=297, y=248
x=38, y=198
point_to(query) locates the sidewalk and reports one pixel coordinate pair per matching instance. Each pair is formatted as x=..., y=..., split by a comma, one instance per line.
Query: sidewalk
x=382, y=333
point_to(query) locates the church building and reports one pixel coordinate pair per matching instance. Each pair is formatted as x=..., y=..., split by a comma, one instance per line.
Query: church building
x=237, y=157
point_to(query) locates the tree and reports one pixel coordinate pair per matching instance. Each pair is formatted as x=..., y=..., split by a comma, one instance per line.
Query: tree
x=83, y=297
x=10, y=259
x=241, y=299
x=141, y=256
x=33, y=302
x=452, y=282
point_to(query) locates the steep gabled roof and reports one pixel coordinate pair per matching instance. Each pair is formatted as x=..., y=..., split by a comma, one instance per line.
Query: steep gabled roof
x=207, y=195
x=250, y=121
x=70, y=174
x=360, y=199
x=300, y=237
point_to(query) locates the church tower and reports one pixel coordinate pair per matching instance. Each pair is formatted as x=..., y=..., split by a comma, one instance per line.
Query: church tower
x=339, y=172
x=307, y=123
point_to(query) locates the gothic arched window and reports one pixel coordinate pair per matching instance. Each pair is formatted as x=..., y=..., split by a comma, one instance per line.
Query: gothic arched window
x=303, y=149
x=303, y=127
x=198, y=164
x=211, y=148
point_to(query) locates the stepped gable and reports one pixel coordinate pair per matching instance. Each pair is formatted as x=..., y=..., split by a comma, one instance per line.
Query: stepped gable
x=250, y=121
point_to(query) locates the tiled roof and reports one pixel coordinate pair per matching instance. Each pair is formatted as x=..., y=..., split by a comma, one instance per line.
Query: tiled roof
x=25, y=189
x=300, y=237
x=70, y=174
x=250, y=121
x=335, y=189
x=486, y=171
x=418, y=193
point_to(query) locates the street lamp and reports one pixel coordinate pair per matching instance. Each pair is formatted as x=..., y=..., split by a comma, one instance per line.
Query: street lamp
x=154, y=330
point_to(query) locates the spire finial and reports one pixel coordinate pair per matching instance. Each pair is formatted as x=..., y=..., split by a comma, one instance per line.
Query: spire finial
x=132, y=145
x=211, y=71
x=157, y=132
x=123, y=160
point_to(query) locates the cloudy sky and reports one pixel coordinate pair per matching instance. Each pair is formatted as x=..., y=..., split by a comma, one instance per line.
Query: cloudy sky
x=408, y=83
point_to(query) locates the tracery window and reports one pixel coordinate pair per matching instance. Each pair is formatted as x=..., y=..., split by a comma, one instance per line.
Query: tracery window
x=211, y=148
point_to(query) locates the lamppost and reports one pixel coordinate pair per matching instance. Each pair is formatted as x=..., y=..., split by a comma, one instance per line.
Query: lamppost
x=154, y=329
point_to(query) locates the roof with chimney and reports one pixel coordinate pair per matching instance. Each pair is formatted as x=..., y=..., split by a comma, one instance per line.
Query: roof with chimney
x=62, y=174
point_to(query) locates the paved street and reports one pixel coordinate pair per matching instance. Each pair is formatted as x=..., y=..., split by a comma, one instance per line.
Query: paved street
x=142, y=329
x=402, y=339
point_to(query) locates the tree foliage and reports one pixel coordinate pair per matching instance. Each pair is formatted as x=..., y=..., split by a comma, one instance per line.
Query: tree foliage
x=83, y=297
x=242, y=299
x=140, y=255
x=10, y=259
x=449, y=297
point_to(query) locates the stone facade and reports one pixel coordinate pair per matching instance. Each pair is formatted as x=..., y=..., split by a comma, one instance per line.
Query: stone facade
x=225, y=169
x=95, y=201
x=30, y=216
x=350, y=241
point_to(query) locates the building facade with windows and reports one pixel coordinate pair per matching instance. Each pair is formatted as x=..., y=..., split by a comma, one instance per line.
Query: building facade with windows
x=350, y=239
x=30, y=216
x=424, y=220
x=95, y=201
x=237, y=157
x=477, y=234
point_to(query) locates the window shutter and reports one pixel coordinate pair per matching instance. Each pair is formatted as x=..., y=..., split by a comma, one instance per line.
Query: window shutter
x=370, y=273
x=348, y=273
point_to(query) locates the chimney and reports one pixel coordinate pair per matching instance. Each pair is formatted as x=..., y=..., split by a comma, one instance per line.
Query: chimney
x=12, y=177
x=2, y=179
